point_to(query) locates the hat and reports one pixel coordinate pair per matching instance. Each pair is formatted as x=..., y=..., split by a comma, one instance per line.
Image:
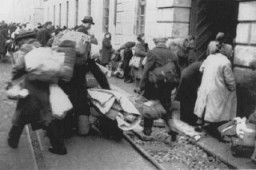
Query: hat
x=160, y=39
x=88, y=19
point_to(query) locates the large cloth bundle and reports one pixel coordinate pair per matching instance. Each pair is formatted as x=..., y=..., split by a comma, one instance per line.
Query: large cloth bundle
x=116, y=107
x=82, y=41
x=68, y=49
x=44, y=64
x=165, y=74
x=152, y=109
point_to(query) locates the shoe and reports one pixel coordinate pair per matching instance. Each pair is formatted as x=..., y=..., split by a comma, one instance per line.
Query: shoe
x=129, y=81
x=173, y=135
x=147, y=132
x=12, y=144
x=62, y=151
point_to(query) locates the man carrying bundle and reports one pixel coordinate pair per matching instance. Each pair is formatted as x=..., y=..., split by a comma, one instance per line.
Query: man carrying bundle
x=76, y=88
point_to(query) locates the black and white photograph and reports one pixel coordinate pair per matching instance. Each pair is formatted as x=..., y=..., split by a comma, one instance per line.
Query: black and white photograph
x=127, y=84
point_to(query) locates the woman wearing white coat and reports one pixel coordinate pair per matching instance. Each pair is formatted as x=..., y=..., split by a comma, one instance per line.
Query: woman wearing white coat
x=216, y=100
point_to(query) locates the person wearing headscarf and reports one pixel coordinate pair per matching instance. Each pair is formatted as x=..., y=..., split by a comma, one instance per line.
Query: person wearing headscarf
x=3, y=38
x=216, y=100
x=127, y=57
x=106, y=50
x=140, y=52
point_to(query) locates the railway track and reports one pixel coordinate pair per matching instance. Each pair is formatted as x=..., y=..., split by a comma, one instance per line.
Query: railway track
x=47, y=161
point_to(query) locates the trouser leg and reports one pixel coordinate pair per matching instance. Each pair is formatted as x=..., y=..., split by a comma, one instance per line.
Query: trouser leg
x=55, y=133
x=166, y=103
x=14, y=135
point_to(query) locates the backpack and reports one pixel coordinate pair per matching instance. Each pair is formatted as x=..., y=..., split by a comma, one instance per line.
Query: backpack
x=164, y=74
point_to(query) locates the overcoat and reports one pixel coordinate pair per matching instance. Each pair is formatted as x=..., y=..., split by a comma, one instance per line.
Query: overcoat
x=217, y=92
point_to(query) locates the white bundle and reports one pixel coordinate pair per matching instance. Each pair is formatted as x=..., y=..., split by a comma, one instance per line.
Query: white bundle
x=60, y=103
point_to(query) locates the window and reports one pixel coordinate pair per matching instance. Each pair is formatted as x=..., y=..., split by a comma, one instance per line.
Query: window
x=54, y=10
x=48, y=12
x=105, y=15
x=76, y=15
x=89, y=7
x=67, y=14
x=141, y=17
x=60, y=15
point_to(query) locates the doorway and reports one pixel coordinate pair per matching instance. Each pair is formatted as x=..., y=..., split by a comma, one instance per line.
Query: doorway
x=207, y=18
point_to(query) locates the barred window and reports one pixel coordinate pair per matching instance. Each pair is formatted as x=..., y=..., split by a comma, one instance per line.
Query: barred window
x=89, y=7
x=67, y=14
x=60, y=14
x=76, y=12
x=141, y=17
x=105, y=15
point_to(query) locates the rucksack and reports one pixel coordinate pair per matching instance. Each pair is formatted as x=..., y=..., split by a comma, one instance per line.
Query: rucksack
x=164, y=74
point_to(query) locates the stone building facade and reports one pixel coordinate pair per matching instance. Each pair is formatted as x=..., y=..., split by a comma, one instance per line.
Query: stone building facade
x=28, y=11
x=125, y=19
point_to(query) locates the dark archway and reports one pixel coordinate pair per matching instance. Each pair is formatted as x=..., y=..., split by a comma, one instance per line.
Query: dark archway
x=208, y=17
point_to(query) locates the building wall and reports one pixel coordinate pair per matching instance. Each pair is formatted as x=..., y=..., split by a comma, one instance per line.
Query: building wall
x=245, y=55
x=28, y=11
x=169, y=18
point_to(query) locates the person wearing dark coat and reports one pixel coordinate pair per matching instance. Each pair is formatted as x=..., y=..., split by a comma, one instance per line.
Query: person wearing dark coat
x=3, y=38
x=35, y=110
x=141, y=52
x=106, y=50
x=77, y=88
x=158, y=57
x=187, y=92
x=44, y=35
x=127, y=57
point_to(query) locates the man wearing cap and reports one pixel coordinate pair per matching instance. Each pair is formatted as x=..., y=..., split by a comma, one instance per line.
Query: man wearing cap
x=86, y=26
x=77, y=88
x=158, y=57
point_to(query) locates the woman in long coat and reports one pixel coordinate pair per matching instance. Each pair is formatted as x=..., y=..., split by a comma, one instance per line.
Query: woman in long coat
x=141, y=52
x=3, y=38
x=187, y=92
x=216, y=100
x=106, y=49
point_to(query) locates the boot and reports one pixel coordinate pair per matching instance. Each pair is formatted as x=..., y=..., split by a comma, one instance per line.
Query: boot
x=148, y=124
x=14, y=136
x=83, y=125
x=56, y=138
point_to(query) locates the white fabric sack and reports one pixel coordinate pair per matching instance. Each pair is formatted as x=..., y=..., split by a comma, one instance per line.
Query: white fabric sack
x=59, y=102
x=135, y=62
x=44, y=64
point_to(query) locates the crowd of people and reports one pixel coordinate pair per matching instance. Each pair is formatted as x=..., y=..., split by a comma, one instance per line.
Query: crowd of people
x=205, y=88
x=35, y=108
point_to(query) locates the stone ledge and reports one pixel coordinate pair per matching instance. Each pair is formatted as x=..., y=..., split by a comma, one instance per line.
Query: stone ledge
x=244, y=55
